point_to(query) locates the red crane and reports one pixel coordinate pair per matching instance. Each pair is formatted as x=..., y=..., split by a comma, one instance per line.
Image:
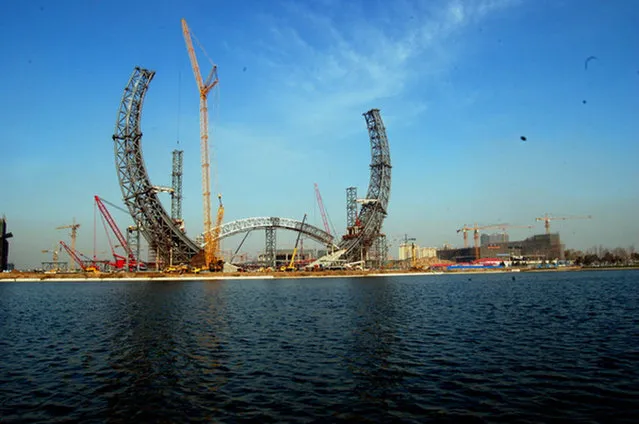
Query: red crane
x=74, y=255
x=321, y=208
x=120, y=261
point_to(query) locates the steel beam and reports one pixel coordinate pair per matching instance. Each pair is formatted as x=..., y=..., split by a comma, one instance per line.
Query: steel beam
x=145, y=208
x=248, y=224
x=351, y=206
x=270, y=247
x=176, y=185
x=372, y=214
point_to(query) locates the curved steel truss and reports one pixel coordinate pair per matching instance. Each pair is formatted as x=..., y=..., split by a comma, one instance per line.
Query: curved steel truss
x=147, y=211
x=248, y=224
x=373, y=212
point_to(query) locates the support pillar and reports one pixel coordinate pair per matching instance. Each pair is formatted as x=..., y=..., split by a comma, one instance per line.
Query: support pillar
x=270, y=248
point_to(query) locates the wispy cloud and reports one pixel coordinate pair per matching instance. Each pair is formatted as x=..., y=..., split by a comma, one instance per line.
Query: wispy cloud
x=327, y=70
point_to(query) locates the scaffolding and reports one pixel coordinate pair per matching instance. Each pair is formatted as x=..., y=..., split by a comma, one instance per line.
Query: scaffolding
x=380, y=249
x=176, y=184
x=133, y=241
x=351, y=206
x=270, y=248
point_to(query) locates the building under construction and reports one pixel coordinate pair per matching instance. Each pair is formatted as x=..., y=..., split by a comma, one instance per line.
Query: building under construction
x=4, y=246
x=538, y=247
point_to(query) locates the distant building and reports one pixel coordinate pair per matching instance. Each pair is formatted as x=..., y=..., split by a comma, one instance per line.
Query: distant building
x=538, y=247
x=405, y=251
x=427, y=252
x=487, y=239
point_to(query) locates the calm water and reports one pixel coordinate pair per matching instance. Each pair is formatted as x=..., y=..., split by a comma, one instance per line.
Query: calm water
x=551, y=347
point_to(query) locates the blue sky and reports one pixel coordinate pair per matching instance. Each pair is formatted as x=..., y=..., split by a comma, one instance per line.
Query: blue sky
x=457, y=82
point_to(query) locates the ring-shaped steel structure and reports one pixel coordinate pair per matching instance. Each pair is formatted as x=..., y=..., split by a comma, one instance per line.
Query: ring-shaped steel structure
x=372, y=214
x=171, y=244
x=152, y=220
x=256, y=223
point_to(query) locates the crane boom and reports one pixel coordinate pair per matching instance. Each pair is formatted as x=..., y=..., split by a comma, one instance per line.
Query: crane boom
x=291, y=265
x=118, y=234
x=546, y=218
x=74, y=234
x=464, y=230
x=217, y=259
x=204, y=88
x=73, y=254
x=321, y=208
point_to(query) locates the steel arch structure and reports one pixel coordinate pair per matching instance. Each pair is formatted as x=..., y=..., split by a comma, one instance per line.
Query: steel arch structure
x=145, y=207
x=256, y=223
x=372, y=214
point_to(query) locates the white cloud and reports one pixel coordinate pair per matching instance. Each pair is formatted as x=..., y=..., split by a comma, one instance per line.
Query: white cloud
x=327, y=72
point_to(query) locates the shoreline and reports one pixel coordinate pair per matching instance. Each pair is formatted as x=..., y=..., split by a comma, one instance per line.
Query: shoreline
x=163, y=277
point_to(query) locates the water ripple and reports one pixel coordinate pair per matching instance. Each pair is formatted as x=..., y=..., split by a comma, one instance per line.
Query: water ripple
x=551, y=347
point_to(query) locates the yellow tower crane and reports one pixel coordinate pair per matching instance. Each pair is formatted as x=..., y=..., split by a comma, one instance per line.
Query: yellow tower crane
x=217, y=263
x=211, y=246
x=547, y=219
x=54, y=256
x=475, y=229
x=74, y=233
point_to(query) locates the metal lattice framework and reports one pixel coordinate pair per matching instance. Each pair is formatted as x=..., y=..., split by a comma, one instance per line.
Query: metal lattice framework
x=372, y=214
x=256, y=223
x=145, y=208
x=270, y=247
x=176, y=184
x=351, y=206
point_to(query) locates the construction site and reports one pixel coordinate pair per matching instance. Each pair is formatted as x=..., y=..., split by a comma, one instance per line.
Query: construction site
x=161, y=233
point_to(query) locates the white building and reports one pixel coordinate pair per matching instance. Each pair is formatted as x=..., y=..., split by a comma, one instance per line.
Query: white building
x=405, y=251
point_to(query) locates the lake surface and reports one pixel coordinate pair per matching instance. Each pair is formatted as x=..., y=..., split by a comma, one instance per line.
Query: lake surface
x=544, y=347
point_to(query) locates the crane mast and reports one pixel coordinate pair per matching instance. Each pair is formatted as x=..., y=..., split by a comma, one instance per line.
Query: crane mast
x=204, y=87
x=74, y=235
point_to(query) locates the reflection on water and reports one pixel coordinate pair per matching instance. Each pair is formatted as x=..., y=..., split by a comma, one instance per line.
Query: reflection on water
x=551, y=346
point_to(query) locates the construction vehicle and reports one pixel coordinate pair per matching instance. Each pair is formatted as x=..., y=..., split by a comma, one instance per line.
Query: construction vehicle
x=547, y=219
x=180, y=269
x=291, y=265
x=212, y=259
x=128, y=261
x=320, y=204
x=73, y=254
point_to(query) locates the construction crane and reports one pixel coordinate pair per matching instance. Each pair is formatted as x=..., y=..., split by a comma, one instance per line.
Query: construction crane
x=475, y=229
x=505, y=226
x=291, y=265
x=216, y=263
x=239, y=246
x=74, y=234
x=75, y=256
x=204, y=87
x=54, y=253
x=546, y=218
x=320, y=203
x=54, y=257
x=120, y=261
x=413, y=256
